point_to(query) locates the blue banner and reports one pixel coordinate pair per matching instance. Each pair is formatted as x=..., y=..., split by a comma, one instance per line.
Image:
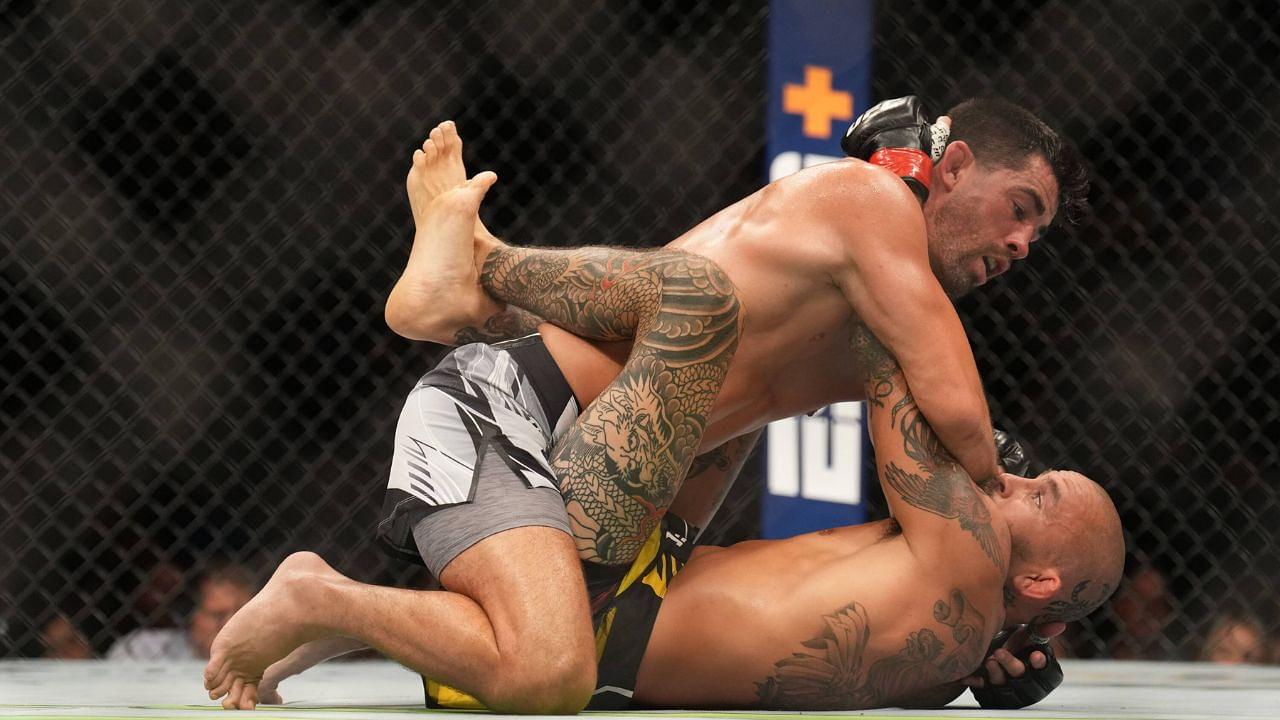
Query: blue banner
x=819, y=80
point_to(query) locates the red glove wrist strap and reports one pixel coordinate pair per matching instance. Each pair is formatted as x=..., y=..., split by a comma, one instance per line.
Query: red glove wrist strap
x=905, y=163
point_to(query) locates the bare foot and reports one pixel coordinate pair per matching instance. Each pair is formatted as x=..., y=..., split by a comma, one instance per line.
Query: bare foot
x=439, y=289
x=300, y=660
x=273, y=624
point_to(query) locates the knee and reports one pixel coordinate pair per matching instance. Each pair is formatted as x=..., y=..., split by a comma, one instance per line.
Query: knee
x=713, y=283
x=696, y=288
x=558, y=683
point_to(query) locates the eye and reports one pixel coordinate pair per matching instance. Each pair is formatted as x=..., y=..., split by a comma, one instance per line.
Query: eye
x=1039, y=497
x=1018, y=213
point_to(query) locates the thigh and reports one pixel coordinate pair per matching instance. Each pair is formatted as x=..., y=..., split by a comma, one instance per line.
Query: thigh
x=529, y=582
x=624, y=460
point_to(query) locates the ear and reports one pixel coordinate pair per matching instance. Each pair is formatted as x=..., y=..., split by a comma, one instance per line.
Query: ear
x=955, y=160
x=1038, y=586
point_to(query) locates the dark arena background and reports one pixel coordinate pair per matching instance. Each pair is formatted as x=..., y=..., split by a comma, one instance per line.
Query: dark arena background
x=202, y=209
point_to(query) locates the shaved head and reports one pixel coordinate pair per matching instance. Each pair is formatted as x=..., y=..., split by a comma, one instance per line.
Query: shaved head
x=1091, y=560
x=1068, y=546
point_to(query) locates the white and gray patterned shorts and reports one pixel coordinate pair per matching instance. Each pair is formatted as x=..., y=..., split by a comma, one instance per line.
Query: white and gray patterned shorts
x=472, y=453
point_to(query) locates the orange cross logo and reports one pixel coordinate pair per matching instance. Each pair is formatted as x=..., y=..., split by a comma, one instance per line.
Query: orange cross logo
x=817, y=102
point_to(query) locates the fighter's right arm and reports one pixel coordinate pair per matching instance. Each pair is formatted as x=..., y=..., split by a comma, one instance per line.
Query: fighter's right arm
x=605, y=293
x=928, y=492
x=709, y=480
x=887, y=279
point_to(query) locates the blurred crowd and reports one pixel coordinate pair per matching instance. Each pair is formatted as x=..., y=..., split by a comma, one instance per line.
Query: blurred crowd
x=169, y=631
x=1143, y=622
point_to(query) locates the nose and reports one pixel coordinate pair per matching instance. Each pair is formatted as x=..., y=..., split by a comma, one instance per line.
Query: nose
x=1008, y=483
x=1019, y=243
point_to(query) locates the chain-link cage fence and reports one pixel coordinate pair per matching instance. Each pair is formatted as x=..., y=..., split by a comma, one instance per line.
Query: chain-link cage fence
x=1140, y=345
x=203, y=211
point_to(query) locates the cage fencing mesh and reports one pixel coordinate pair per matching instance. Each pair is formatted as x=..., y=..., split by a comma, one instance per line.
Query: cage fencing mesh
x=202, y=213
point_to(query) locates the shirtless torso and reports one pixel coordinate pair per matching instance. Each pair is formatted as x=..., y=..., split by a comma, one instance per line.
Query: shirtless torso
x=794, y=352
x=887, y=613
x=790, y=250
x=805, y=578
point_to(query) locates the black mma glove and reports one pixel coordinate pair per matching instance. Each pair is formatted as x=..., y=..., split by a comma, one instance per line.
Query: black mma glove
x=898, y=134
x=1027, y=689
x=1013, y=458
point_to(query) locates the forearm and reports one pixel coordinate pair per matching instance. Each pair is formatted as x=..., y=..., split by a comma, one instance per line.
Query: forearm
x=710, y=478
x=944, y=381
x=924, y=485
x=610, y=293
x=916, y=323
x=960, y=419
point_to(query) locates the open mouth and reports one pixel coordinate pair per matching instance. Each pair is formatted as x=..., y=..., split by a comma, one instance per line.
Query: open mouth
x=990, y=265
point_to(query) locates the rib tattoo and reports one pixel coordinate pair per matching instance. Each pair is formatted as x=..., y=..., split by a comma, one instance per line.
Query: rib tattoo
x=829, y=675
x=626, y=457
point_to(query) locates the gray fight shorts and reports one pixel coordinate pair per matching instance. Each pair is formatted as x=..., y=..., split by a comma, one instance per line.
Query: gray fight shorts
x=472, y=452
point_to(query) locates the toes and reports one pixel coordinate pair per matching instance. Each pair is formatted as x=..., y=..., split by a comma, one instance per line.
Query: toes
x=222, y=688
x=249, y=700
x=429, y=150
x=215, y=678
x=232, y=700
x=451, y=138
x=437, y=136
x=483, y=181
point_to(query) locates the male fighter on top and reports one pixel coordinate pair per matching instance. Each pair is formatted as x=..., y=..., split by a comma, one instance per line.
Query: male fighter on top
x=856, y=208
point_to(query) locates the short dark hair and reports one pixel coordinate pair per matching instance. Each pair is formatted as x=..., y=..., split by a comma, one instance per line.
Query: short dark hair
x=1005, y=134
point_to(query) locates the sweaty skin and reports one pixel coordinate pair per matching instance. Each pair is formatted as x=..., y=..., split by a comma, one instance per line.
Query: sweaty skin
x=958, y=547
x=856, y=617
x=803, y=252
x=815, y=258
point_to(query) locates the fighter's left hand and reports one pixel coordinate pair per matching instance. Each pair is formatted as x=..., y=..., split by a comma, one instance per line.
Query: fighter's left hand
x=1006, y=681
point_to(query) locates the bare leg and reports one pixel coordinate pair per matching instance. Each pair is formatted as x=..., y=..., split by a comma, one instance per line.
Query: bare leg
x=518, y=637
x=526, y=651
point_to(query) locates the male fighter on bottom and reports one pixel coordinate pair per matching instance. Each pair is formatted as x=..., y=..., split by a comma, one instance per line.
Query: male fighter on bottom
x=888, y=613
x=952, y=545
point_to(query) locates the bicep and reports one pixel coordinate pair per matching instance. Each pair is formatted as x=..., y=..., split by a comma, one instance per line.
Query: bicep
x=710, y=478
x=929, y=493
x=894, y=293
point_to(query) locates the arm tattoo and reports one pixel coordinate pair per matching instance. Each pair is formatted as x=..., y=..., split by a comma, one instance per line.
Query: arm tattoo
x=627, y=455
x=940, y=486
x=949, y=498
x=606, y=293
x=876, y=361
x=829, y=675
x=509, y=324
x=711, y=477
x=718, y=460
